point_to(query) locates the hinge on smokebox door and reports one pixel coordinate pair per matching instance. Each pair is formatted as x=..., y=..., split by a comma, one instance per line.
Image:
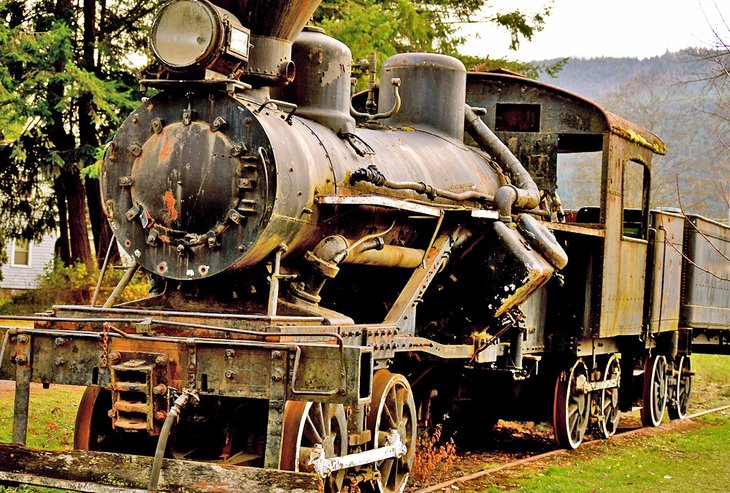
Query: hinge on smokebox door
x=139, y=391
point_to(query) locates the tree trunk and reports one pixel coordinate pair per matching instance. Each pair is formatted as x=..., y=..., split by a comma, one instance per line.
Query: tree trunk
x=78, y=231
x=62, y=245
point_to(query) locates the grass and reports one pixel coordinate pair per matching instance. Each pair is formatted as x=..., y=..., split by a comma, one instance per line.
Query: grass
x=52, y=413
x=683, y=462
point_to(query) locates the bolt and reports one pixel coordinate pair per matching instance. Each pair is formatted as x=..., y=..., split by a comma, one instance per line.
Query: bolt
x=160, y=415
x=161, y=360
x=58, y=341
x=60, y=361
x=276, y=378
x=230, y=353
x=276, y=354
x=21, y=359
x=160, y=389
x=111, y=413
x=114, y=356
x=22, y=339
x=230, y=374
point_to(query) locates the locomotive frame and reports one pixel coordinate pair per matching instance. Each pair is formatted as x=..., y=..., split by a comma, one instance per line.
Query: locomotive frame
x=456, y=305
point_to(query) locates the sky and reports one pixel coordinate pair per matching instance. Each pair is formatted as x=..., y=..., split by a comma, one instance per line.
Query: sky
x=614, y=28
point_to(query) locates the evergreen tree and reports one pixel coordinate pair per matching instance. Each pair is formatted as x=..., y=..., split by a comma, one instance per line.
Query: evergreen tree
x=65, y=79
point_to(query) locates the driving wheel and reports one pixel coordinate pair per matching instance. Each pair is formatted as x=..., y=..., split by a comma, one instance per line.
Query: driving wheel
x=681, y=390
x=654, y=400
x=307, y=425
x=571, y=406
x=393, y=408
x=609, y=410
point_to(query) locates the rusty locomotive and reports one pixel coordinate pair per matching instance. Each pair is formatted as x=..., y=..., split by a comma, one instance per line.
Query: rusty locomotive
x=328, y=279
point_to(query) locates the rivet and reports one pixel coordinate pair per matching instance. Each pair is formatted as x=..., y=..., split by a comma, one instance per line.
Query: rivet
x=161, y=360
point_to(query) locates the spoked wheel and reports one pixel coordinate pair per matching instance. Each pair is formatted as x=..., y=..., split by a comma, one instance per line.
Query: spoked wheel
x=655, y=391
x=571, y=406
x=609, y=410
x=393, y=408
x=682, y=390
x=307, y=424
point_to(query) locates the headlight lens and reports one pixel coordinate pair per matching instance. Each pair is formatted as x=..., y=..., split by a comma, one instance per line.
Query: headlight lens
x=189, y=35
x=184, y=34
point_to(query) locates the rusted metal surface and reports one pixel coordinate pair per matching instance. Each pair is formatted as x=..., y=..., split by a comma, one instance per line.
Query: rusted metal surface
x=311, y=370
x=422, y=75
x=321, y=88
x=106, y=472
x=665, y=271
x=624, y=258
x=23, y=376
x=258, y=15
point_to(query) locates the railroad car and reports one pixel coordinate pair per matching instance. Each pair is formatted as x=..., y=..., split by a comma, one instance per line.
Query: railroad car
x=330, y=275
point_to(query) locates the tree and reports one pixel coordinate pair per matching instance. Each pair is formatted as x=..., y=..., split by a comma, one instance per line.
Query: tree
x=395, y=26
x=64, y=80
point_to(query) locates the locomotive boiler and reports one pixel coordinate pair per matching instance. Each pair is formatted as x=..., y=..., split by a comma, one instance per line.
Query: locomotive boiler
x=328, y=275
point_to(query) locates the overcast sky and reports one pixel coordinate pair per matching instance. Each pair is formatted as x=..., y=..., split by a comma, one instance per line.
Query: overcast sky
x=616, y=28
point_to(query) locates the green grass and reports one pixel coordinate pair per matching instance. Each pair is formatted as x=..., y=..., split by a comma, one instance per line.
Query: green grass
x=52, y=413
x=674, y=462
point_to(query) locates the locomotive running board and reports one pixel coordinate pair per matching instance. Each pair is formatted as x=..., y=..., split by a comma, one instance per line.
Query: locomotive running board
x=104, y=472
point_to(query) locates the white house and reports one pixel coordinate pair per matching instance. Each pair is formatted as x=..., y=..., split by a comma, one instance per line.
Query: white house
x=26, y=262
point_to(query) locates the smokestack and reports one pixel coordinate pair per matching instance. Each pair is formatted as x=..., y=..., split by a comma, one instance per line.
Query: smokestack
x=274, y=24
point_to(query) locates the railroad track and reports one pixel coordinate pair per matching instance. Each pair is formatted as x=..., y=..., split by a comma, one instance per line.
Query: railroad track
x=526, y=460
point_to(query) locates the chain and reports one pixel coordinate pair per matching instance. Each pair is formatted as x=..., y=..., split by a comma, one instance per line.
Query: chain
x=104, y=362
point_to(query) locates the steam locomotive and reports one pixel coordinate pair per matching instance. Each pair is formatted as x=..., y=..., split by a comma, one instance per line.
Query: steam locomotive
x=326, y=279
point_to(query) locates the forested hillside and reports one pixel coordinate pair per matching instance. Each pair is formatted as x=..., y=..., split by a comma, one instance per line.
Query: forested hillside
x=680, y=98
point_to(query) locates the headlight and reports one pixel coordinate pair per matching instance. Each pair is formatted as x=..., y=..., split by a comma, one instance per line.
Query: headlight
x=195, y=34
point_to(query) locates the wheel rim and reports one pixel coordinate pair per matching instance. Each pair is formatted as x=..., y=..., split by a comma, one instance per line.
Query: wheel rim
x=610, y=413
x=307, y=424
x=571, y=406
x=93, y=427
x=682, y=389
x=393, y=407
x=655, y=391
